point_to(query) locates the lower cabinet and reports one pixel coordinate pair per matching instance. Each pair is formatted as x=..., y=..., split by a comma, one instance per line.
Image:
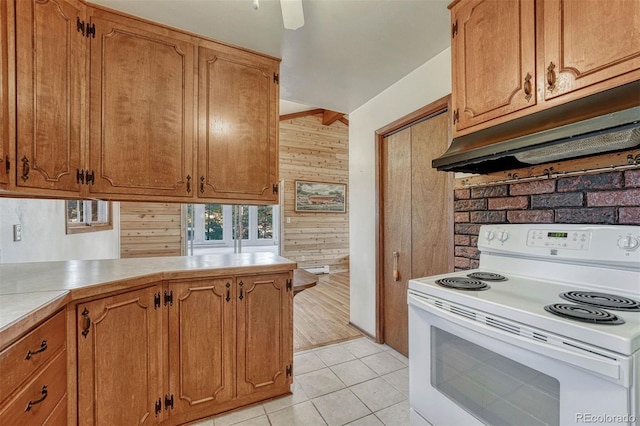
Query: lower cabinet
x=182, y=350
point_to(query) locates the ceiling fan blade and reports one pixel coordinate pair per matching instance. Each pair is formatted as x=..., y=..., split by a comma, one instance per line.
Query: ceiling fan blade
x=292, y=14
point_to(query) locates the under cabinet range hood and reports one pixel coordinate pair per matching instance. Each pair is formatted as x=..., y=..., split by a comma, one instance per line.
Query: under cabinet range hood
x=605, y=122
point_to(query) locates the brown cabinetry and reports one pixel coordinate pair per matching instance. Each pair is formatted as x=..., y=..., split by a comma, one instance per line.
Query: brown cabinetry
x=33, y=388
x=493, y=59
x=50, y=76
x=238, y=110
x=6, y=119
x=516, y=57
x=202, y=346
x=110, y=106
x=141, y=108
x=120, y=343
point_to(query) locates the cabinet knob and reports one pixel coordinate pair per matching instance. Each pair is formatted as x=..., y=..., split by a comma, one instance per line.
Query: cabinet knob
x=528, y=87
x=25, y=168
x=551, y=76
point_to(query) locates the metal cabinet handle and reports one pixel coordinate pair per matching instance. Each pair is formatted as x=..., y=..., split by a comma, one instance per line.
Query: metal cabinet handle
x=241, y=295
x=528, y=87
x=396, y=273
x=228, y=298
x=188, y=184
x=202, y=184
x=37, y=401
x=87, y=323
x=25, y=168
x=42, y=348
x=551, y=76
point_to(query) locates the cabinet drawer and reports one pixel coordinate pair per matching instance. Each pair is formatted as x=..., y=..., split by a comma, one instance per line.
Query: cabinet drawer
x=59, y=415
x=37, y=400
x=21, y=359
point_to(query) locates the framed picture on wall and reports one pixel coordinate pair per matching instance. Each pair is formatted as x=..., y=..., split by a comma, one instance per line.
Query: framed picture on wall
x=320, y=197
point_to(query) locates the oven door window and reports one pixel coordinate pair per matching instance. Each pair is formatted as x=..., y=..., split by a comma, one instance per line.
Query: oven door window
x=491, y=387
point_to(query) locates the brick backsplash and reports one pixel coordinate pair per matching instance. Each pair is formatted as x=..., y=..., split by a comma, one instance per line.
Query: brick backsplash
x=604, y=198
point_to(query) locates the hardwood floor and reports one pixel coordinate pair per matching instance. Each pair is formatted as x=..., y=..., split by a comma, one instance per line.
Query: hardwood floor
x=321, y=313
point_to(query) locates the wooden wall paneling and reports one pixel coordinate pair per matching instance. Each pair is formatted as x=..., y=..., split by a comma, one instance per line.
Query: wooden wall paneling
x=151, y=229
x=312, y=151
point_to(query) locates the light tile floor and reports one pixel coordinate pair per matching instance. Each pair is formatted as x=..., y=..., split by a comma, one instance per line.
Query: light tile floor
x=357, y=382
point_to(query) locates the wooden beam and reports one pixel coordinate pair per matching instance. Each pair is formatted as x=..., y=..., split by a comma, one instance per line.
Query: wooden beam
x=329, y=117
x=302, y=114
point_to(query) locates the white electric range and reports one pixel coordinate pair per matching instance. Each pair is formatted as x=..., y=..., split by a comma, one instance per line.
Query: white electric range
x=488, y=346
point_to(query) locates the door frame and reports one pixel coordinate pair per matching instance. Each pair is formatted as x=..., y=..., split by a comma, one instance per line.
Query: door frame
x=441, y=105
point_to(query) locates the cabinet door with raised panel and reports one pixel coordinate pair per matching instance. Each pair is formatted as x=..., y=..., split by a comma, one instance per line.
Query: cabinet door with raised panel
x=265, y=330
x=238, y=125
x=141, y=108
x=5, y=115
x=493, y=59
x=50, y=72
x=201, y=343
x=120, y=345
x=588, y=45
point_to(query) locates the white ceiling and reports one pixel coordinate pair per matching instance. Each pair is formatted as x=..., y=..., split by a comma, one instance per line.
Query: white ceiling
x=347, y=52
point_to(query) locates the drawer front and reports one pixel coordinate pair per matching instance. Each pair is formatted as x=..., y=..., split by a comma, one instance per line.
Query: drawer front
x=37, y=400
x=59, y=415
x=21, y=359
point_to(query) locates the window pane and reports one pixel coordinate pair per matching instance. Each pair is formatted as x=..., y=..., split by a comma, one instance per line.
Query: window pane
x=245, y=222
x=94, y=211
x=213, y=222
x=265, y=222
x=73, y=212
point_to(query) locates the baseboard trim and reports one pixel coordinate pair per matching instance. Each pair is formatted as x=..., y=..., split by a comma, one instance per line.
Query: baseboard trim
x=369, y=335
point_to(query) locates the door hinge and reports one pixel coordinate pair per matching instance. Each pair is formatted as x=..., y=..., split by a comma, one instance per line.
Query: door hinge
x=454, y=29
x=289, y=284
x=156, y=300
x=456, y=116
x=168, y=298
x=168, y=402
x=158, y=406
x=79, y=25
x=91, y=30
x=289, y=370
x=276, y=78
x=7, y=163
x=275, y=188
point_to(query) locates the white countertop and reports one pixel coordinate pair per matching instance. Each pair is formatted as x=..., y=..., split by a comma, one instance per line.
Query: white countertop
x=29, y=287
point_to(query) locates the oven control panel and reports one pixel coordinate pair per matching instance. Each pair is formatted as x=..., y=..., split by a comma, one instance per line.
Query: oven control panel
x=568, y=240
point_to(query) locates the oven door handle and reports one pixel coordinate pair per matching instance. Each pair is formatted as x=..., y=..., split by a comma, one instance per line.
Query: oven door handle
x=608, y=367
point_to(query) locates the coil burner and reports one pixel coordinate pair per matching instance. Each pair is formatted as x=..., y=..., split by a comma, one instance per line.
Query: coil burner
x=463, y=283
x=487, y=276
x=602, y=300
x=584, y=313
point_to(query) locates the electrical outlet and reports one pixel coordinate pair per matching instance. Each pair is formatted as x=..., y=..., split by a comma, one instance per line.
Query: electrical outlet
x=17, y=232
x=288, y=220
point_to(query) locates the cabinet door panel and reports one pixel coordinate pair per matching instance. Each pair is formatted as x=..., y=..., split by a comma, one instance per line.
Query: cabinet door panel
x=141, y=130
x=50, y=76
x=238, y=127
x=264, y=318
x=5, y=112
x=588, y=43
x=201, y=345
x=119, y=359
x=493, y=58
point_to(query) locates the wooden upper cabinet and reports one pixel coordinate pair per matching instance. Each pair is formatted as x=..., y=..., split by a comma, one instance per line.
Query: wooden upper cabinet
x=5, y=114
x=264, y=320
x=202, y=343
x=238, y=125
x=50, y=71
x=141, y=108
x=493, y=59
x=120, y=343
x=588, y=46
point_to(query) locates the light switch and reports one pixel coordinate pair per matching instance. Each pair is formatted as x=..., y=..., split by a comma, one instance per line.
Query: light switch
x=17, y=232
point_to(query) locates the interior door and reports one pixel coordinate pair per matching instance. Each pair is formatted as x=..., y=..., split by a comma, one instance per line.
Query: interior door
x=417, y=217
x=396, y=212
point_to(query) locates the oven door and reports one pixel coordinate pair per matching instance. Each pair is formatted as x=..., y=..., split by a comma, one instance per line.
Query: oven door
x=463, y=372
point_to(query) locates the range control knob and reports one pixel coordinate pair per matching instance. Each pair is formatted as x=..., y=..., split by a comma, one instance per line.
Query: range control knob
x=628, y=242
x=503, y=236
x=490, y=235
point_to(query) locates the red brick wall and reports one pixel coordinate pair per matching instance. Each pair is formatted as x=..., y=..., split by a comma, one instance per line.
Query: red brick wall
x=606, y=198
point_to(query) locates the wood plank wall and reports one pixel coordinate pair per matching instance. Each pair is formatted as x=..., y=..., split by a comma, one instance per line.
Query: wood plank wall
x=313, y=152
x=150, y=229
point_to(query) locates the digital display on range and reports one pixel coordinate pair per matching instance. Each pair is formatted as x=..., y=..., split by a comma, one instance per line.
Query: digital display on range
x=557, y=234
